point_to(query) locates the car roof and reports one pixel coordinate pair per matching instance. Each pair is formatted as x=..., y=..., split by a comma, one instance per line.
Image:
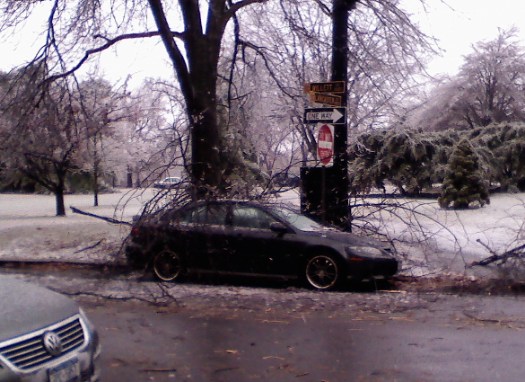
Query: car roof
x=265, y=205
x=193, y=204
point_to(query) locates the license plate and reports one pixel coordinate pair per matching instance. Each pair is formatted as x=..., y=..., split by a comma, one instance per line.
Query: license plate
x=65, y=372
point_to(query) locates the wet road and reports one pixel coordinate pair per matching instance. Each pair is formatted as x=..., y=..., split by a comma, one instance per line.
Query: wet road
x=143, y=343
x=202, y=332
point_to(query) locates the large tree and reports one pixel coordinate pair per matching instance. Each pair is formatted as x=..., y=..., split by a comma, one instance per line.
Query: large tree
x=192, y=34
x=41, y=142
x=385, y=52
x=488, y=88
x=101, y=110
x=53, y=137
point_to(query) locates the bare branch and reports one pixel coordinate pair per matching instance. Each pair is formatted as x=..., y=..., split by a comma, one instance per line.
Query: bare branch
x=241, y=4
x=109, y=43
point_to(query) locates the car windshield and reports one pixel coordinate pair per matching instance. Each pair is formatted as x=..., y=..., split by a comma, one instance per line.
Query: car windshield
x=299, y=221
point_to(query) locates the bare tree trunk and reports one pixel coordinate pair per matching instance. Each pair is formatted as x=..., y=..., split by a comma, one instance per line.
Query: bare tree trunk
x=206, y=164
x=95, y=187
x=96, y=169
x=129, y=178
x=197, y=75
x=60, y=205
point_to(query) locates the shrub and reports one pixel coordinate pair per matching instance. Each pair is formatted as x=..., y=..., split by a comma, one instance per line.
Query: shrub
x=464, y=185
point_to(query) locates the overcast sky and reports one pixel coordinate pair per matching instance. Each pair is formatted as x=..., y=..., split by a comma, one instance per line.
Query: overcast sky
x=457, y=26
x=465, y=22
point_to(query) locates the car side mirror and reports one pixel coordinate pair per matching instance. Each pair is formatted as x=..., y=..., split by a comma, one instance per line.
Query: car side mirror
x=279, y=228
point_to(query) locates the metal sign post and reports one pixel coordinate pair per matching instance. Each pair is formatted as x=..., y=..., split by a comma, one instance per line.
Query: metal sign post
x=327, y=98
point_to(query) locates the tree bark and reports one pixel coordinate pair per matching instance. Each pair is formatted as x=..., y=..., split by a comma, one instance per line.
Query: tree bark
x=205, y=150
x=197, y=76
x=60, y=205
x=197, y=79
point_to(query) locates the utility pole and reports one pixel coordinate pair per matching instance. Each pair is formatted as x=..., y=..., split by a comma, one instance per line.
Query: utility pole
x=340, y=14
x=324, y=192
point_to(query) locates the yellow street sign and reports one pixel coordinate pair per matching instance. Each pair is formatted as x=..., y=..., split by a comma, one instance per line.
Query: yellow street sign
x=326, y=99
x=337, y=87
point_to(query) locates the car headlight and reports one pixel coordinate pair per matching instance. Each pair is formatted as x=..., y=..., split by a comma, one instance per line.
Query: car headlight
x=364, y=251
x=93, y=333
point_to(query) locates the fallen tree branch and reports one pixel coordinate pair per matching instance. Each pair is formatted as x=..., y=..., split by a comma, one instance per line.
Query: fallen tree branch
x=161, y=297
x=105, y=218
x=109, y=297
x=90, y=247
x=516, y=252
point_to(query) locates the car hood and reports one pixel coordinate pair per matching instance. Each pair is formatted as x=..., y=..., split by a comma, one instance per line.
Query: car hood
x=27, y=307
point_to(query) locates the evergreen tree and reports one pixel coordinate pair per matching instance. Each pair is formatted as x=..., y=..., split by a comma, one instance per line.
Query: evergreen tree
x=463, y=184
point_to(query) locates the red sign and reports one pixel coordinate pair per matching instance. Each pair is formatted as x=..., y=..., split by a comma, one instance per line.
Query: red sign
x=325, y=144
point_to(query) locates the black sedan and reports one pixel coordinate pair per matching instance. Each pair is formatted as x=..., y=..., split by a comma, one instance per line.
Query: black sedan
x=247, y=238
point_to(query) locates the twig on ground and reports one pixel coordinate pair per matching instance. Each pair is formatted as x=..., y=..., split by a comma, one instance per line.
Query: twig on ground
x=90, y=247
x=158, y=370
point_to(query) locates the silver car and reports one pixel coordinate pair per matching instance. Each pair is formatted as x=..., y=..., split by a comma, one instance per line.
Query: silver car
x=44, y=336
x=169, y=182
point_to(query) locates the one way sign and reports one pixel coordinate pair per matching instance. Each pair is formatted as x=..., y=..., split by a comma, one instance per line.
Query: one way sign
x=332, y=115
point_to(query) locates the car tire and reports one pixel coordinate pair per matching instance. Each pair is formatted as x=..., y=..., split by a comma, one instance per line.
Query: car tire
x=167, y=265
x=323, y=272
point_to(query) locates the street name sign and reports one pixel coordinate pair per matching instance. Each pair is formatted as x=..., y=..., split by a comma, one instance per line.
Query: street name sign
x=337, y=87
x=332, y=115
x=326, y=99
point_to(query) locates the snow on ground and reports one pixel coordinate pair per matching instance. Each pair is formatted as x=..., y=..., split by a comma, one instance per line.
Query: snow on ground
x=435, y=240
x=430, y=240
x=30, y=231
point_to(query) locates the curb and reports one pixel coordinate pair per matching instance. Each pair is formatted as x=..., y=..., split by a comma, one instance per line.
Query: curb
x=9, y=263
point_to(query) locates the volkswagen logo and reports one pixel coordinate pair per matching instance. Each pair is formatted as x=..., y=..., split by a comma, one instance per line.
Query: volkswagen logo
x=52, y=343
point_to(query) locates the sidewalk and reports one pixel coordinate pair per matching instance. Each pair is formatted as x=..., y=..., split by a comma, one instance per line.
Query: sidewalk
x=30, y=231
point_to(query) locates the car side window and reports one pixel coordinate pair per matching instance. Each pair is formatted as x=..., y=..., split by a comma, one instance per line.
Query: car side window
x=249, y=217
x=212, y=214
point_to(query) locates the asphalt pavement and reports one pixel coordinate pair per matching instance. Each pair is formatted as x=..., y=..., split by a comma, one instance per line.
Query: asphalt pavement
x=218, y=331
x=147, y=343
x=244, y=331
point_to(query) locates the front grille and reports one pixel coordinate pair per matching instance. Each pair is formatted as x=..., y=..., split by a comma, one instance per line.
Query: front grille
x=29, y=351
